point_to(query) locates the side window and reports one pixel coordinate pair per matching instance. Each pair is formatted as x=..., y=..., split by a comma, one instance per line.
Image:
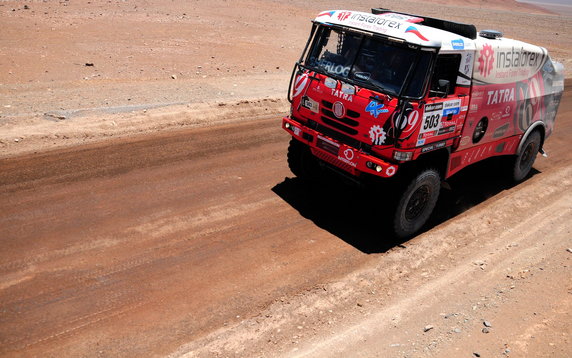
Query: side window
x=444, y=78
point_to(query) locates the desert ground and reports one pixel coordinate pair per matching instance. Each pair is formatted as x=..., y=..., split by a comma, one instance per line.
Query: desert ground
x=147, y=209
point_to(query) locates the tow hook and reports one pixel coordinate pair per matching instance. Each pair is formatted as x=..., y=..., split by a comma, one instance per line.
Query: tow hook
x=544, y=154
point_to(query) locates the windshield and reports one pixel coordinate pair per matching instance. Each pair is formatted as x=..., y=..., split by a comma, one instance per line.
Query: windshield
x=369, y=61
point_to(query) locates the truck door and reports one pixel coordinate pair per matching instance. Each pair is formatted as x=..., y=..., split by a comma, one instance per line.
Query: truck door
x=446, y=103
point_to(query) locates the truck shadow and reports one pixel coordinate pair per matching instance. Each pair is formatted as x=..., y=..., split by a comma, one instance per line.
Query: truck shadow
x=362, y=219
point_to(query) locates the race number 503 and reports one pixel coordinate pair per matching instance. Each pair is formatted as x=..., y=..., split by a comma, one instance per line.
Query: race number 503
x=431, y=122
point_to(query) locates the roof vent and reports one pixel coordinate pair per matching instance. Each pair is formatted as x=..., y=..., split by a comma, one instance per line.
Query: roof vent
x=490, y=34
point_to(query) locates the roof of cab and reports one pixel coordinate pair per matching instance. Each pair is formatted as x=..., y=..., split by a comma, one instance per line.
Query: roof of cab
x=399, y=26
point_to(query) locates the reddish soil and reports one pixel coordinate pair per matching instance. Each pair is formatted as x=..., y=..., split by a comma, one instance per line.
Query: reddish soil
x=147, y=207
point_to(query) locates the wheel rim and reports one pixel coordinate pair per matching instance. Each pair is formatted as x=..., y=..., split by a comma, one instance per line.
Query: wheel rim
x=527, y=155
x=417, y=202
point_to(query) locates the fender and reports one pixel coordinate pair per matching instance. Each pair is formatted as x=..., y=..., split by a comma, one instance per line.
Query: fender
x=533, y=127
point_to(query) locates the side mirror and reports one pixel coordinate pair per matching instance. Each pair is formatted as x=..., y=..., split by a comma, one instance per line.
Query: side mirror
x=444, y=86
x=440, y=89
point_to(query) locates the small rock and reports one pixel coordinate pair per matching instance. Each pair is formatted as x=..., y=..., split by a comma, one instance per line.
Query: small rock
x=26, y=7
x=428, y=328
x=360, y=304
x=569, y=250
x=457, y=330
x=476, y=355
x=487, y=324
x=16, y=140
x=485, y=330
x=174, y=77
x=89, y=64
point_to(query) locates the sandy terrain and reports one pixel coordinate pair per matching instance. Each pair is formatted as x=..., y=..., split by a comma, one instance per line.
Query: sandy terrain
x=147, y=208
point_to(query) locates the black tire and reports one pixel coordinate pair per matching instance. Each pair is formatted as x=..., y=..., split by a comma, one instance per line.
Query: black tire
x=416, y=203
x=522, y=163
x=301, y=161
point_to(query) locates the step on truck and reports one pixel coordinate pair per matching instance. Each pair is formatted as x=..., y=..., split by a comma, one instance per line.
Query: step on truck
x=387, y=97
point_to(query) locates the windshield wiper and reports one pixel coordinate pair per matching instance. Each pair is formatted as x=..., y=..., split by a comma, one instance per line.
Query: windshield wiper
x=376, y=86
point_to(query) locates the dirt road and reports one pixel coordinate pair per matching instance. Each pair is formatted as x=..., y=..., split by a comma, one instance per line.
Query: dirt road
x=199, y=241
x=146, y=208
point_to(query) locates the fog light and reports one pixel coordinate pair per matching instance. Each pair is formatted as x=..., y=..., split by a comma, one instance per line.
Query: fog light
x=403, y=156
x=287, y=125
x=378, y=168
x=369, y=165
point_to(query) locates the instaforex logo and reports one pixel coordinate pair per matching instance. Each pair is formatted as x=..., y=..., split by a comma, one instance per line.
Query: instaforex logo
x=486, y=60
x=376, y=20
x=518, y=58
x=413, y=30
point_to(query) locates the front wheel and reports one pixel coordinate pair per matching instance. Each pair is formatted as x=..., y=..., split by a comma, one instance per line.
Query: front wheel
x=522, y=163
x=417, y=203
x=301, y=161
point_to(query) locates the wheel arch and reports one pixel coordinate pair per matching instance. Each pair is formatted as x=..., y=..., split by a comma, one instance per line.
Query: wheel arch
x=438, y=159
x=536, y=126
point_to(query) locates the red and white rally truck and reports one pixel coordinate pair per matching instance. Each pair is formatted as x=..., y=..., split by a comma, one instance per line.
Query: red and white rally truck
x=394, y=97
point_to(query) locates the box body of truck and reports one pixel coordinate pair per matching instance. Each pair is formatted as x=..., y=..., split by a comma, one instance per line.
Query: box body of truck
x=376, y=93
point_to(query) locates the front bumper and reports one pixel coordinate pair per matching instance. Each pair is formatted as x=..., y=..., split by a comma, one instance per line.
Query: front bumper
x=340, y=155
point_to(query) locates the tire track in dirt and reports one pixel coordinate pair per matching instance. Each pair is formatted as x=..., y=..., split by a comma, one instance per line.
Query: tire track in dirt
x=165, y=239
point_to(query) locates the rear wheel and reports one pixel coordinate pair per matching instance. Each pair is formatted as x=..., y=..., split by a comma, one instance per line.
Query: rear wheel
x=522, y=163
x=417, y=203
x=301, y=161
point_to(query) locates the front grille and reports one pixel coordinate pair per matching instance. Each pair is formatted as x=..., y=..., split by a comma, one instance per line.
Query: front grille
x=340, y=137
x=339, y=126
x=345, y=120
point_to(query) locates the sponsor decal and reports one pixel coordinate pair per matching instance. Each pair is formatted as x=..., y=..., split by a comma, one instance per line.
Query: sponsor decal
x=327, y=13
x=506, y=112
x=349, y=154
x=312, y=105
x=465, y=140
x=413, y=30
x=408, y=122
x=339, y=109
x=348, y=157
x=486, y=60
x=342, y=16
x=458, y=44
x=518, y=58
x=500, y=131
x=342, y=95
x=446, y=130
x=390, y=171
x=363, y=75
x=500, y=96
x=328, y=145
x=433, y=146
x=334, y=68
x=297, y=131
x=375, y=108
x=300, y=84
x=392, y=15
x=451, y=108
x=432, y=117
x=375, y=20
x=420, y=142
x=377, y=135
